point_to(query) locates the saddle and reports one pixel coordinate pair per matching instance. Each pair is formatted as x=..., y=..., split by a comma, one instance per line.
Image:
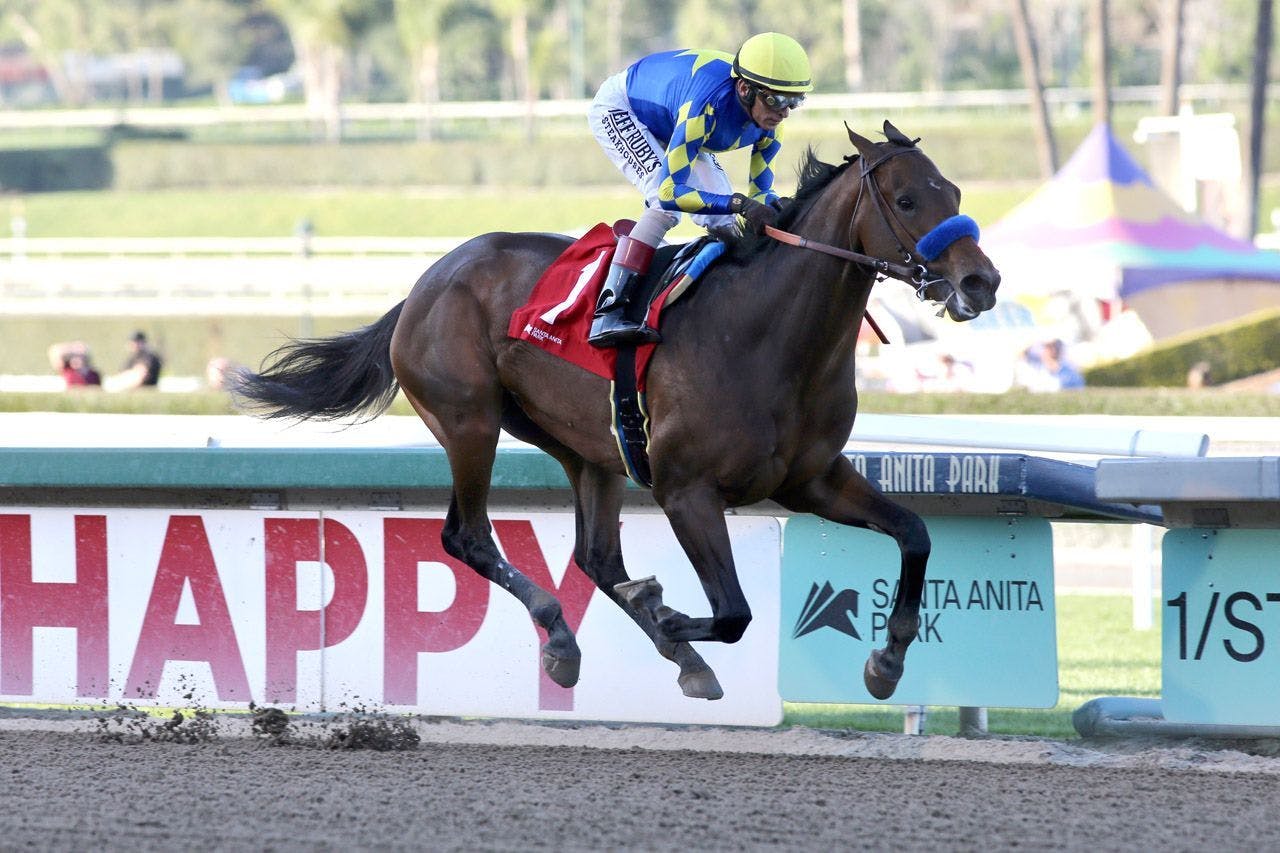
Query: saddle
x=672, y=268
x=557, y=316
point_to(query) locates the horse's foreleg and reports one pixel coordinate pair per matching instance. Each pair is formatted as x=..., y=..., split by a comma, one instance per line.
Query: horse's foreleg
x=843, y=495
x=598, y=552
x=697, y=517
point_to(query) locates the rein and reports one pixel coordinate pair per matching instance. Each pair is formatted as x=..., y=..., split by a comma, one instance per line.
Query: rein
x=915, y=275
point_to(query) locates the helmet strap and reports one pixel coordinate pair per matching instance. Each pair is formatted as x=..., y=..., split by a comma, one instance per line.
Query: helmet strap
x=748, y=100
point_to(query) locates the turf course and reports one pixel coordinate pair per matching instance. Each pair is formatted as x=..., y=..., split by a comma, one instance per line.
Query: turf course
x=412, y=212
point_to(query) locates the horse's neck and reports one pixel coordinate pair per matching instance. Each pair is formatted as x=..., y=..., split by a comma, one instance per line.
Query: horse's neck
x=823, y=295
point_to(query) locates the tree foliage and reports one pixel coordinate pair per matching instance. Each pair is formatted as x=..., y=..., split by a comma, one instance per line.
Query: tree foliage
x=477, y=49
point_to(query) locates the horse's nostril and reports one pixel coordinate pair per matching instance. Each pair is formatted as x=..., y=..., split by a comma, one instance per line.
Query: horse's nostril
x=980, y=283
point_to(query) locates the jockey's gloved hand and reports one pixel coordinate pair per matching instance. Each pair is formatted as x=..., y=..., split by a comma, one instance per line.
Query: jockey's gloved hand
x=757, y=215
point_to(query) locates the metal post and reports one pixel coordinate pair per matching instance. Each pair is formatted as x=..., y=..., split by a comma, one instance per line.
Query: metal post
x=973, y=721
x=18, y=227
x=1143, y=583
x=913, y=719
x=304, y=231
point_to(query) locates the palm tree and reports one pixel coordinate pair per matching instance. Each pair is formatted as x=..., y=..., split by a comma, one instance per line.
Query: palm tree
x=419, y=24
x=1171, y=56
x=852, y=41
x=1028, y=58
x=1257, y=113
x=49, y=29
x=321, y=36
x=1100, y=61
x=516, y=15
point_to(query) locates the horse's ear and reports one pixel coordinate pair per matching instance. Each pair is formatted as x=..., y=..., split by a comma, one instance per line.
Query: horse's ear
x=865, y=146
x=897, y=137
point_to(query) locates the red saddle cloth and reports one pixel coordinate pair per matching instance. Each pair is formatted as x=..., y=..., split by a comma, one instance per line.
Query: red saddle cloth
x=557, y=316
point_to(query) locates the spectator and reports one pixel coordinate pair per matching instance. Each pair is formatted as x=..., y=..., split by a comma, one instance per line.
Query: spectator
x=1043, y=368
x=1200, y=375
x=950, y=374
x=216, y=372
x=73, y=361
x=1059, y=368
x=141, y=369
x=1030, y=373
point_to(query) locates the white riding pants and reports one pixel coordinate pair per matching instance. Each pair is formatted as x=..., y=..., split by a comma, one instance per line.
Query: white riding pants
x=638, y=153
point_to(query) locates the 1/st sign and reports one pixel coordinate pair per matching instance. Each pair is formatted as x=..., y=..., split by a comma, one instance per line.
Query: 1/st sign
x=1221, y=627
x=310, y=610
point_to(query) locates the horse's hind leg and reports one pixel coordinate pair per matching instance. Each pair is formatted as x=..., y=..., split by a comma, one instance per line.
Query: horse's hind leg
x=843, y=495
x=469, y=436
x=598, y=551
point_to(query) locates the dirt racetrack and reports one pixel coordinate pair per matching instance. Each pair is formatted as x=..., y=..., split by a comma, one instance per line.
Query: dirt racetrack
x=511, y=786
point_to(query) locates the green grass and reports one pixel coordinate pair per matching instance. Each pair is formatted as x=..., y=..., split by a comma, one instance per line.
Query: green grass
x=1109, y=401
x=338, y=212
x=92, y=401
x=1151, y=402
x=1099, y=654
x=1138, y=401
x=365, y=213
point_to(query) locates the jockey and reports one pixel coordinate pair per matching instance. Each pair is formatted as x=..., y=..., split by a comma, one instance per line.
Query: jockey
x=661, y=120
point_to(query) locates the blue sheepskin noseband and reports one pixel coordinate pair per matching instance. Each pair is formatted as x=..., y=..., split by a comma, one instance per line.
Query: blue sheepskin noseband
x=944, y=234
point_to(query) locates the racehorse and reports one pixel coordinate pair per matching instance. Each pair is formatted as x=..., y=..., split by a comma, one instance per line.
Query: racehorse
x=751, y=396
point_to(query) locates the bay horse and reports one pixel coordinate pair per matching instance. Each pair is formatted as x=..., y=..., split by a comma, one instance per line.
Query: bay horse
x=751, y=397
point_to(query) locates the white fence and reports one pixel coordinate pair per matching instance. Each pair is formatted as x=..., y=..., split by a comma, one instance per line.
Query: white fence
x=150, y=276
x=141, y=116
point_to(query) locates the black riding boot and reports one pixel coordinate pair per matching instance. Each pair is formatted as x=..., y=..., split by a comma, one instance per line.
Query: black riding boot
x=610, y=328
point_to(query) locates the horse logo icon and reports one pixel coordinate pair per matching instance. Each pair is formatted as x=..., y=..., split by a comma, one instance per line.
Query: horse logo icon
x=825, y=608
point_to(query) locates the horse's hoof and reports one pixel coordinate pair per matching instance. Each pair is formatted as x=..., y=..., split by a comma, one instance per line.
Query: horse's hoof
x=563, y=669
x=879, y=684
x=638, y=592
x=701, y=684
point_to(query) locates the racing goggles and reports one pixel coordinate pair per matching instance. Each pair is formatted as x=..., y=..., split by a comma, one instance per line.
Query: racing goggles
x=777, y=101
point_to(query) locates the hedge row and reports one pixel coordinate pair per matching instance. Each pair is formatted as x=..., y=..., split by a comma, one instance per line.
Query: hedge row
x=965, y=151
x=51, y=169
x=147, y=166
x=576, y=160
x=1233, y=350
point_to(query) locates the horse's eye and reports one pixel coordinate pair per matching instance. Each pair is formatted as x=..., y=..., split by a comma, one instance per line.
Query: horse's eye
x=905, y=202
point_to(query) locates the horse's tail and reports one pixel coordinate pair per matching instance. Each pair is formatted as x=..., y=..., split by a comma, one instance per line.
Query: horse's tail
x=325, y=378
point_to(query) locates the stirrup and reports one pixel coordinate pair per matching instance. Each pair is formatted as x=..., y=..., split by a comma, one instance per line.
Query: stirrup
x=612, y=330
x=610, y=326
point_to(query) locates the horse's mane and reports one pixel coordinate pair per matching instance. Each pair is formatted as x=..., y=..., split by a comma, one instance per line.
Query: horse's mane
x=814, y=176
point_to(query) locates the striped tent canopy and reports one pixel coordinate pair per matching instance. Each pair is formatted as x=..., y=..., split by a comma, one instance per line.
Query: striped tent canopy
x=1101, y=228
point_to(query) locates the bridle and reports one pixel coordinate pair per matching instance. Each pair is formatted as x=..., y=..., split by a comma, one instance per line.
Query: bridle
x=911, y=271
x=867, y=186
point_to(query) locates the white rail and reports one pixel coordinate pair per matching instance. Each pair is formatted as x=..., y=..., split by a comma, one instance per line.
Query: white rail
x=1049, y=435
x=188, y=275
x=28, y=247
x=142, y=116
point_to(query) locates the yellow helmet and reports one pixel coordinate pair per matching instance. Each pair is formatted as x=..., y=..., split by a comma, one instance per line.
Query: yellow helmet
x=775, y=62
